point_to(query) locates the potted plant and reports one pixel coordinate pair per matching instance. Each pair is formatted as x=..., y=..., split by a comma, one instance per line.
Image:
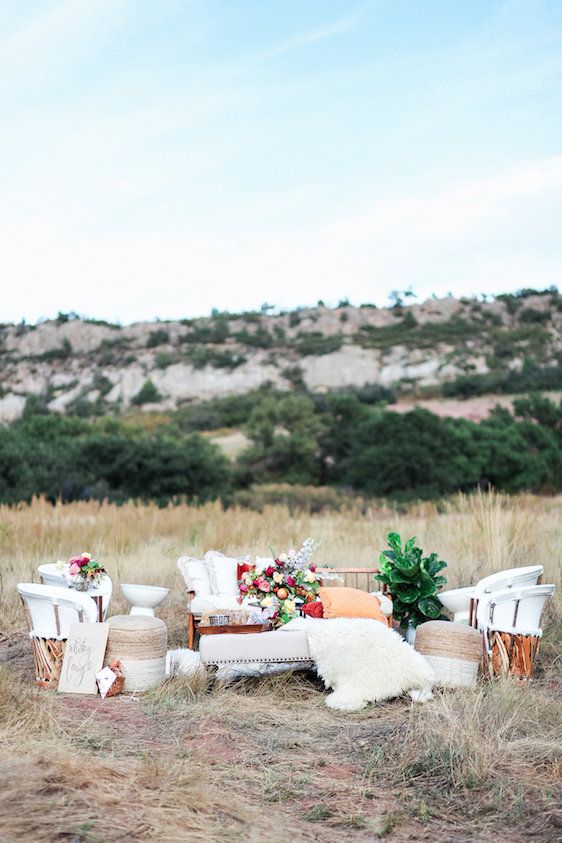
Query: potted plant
x=413, y=581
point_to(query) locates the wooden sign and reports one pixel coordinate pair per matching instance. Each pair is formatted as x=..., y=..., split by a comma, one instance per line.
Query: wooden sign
x=83, y=658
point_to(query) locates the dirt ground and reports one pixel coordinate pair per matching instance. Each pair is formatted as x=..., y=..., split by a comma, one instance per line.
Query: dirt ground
x=261, y=758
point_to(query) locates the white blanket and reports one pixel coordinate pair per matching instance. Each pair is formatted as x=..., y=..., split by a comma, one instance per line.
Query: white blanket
x=364, y=661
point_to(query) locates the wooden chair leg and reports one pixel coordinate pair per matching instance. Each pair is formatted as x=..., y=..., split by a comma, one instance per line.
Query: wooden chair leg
x=190, y=630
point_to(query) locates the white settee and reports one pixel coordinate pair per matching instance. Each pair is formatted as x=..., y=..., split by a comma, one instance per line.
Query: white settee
x=212, y=584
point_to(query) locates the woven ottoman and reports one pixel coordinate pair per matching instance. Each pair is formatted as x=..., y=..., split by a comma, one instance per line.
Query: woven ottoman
x=454, y=650
x=140, y=643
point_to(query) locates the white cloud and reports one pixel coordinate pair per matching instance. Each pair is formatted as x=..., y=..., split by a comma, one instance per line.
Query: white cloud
x=312, y=36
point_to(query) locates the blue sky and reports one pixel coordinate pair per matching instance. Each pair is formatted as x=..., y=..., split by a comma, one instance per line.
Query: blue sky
x=161, y=159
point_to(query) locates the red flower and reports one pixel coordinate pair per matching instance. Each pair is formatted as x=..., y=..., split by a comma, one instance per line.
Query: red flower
x=312, y=568
x=290, y=581
x=269, y=571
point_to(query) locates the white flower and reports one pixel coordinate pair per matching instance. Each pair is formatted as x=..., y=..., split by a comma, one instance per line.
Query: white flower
x=263, y=562
x=292, y=553
x=289, y=606
x=267, y=601
x=247, y=579
x=309, y=576
x=60, y=565
x=283, y=557
x=277, y=577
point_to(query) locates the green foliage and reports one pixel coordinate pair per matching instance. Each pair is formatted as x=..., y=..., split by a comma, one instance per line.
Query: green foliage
x=73, y=459
x=158, y=337
x=315, y=342
x=63, y=352
x=260, y=338
x=412, y=579
x=506, y=381
x=214, y=332
x=201, y=356
x=163, y=359
x=285, y=434
x=147, y=394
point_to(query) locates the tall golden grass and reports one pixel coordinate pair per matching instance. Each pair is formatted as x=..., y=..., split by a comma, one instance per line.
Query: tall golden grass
x=476, y=535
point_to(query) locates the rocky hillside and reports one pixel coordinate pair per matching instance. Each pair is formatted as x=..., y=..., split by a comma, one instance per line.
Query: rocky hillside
x=87, y=367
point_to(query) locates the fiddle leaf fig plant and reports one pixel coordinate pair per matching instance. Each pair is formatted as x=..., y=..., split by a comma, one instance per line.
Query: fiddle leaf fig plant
x=412, y=579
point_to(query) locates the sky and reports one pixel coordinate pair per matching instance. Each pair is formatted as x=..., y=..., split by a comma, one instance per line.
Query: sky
x=158, y=160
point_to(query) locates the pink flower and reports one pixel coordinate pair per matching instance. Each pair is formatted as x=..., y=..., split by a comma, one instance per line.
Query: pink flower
x=256, y=582
x=290, y=581
x=264, y=586
x=244, y=588
x=74, y=568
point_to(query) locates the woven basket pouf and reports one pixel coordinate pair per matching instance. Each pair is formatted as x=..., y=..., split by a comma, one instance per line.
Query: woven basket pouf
x=139, y=643
x=454, y=650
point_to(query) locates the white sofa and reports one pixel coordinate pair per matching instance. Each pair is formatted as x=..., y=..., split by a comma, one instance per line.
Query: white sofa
x=212, y=583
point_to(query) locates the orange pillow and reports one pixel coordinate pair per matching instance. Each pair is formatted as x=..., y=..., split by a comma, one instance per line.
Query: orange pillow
x=350, y=603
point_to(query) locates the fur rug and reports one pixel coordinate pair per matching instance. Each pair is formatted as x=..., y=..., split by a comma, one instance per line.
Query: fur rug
x=364, y=661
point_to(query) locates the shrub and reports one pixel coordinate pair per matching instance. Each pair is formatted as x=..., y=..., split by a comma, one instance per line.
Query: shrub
x=260, y=338
x=201, y=356
x=158, y=337
x=147, y=394
x=315, y=342
x=163, y=359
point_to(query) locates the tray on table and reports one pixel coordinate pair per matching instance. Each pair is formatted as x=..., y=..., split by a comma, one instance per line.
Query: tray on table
x=234, y=629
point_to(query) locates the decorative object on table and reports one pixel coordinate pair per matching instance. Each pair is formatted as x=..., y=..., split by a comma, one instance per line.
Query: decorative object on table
x=110, y=680
x=50, y=611
x=234, y=629
x=216, y=619
x=276, y=584
x=57, y=574
x=350, y=603
x=412, y=579
x=85, y=570
x=234, y=616
x=83, y=658
x=454, y=650
x=140, y=644
x=143, y=599
x=363, y=661
x=512, y=629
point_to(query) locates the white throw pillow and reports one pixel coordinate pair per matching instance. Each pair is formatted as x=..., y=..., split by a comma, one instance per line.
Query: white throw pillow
x=223, y=571
x=196, y=575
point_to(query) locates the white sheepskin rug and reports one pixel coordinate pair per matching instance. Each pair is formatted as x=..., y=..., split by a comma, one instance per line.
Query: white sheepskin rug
x=364, y=661
x=183, y=662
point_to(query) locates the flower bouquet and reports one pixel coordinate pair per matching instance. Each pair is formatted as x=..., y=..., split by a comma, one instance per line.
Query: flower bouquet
x=280, y=585
x=85, y=571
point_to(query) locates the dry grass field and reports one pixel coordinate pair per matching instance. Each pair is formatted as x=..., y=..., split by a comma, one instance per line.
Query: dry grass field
x=265, y=758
